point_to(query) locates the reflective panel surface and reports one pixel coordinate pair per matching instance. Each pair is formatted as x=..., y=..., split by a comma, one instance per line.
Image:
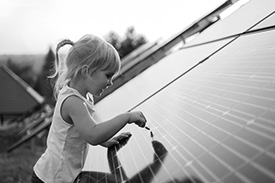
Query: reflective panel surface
x=241, y=20
x=212, y=123
x=267, y=22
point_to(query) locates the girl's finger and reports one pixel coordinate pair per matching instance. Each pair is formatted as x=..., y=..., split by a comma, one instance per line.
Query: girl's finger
x=142, y=116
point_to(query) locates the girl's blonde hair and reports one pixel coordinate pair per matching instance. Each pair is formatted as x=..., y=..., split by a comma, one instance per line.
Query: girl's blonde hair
x=89, y=51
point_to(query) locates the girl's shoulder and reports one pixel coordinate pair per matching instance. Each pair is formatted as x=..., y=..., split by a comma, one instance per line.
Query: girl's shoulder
x=73, y=98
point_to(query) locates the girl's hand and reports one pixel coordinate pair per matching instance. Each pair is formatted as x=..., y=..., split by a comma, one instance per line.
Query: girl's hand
x=160, y=151
x=120, y=139
x=138, y=118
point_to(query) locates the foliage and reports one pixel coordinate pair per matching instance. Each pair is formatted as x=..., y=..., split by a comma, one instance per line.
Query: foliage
x=43, y=85
x=131, y=41
x=24, y=71
x=17, y=166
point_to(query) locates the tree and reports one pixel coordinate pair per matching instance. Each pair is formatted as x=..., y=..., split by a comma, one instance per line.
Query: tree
x=24, y=71
x=114, y=39
x=131, y=41
x=43, y=84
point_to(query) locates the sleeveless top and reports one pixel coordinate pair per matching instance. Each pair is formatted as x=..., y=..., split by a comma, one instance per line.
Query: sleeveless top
x=66, y=151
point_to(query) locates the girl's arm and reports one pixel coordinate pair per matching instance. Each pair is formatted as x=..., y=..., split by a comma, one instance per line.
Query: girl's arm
x=97, y=133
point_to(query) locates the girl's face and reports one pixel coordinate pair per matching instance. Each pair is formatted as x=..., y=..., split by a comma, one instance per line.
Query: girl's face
x=98, y=81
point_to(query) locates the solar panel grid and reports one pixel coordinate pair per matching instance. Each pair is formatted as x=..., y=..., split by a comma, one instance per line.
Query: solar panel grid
x=178, y=158
x=194, y=138
x=188, y=146
x=216, y=121
x=250, y=151
x=270, y=103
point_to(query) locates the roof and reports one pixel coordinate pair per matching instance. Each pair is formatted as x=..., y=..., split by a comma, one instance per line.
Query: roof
x=16, y=96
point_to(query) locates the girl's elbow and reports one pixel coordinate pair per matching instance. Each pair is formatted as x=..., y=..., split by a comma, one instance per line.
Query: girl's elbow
x=93, y=141
x=90, y=137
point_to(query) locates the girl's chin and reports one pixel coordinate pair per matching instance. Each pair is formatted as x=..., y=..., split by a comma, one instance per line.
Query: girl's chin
x=99, y=93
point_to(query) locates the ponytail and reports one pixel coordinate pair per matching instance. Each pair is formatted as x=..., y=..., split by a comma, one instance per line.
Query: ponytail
x=61, y=44
x=59, y=74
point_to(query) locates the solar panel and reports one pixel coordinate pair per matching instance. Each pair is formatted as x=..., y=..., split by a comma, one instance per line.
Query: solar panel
x=211, y=109
x=267, y=22
x=239, y=21
x=158, y=76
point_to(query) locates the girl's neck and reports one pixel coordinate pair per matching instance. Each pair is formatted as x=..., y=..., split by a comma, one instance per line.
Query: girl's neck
x=77, y=85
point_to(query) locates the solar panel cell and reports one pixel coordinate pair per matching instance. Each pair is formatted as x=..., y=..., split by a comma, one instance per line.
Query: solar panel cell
x=266, y=161
x=236, y=178
x=228, y=156
x=256, y=173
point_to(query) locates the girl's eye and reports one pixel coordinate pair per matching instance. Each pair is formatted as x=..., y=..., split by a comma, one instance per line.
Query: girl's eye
x=109, y=76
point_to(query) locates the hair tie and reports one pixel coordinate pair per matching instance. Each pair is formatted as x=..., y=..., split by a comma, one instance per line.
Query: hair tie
x=59, y=45
x=63, y=43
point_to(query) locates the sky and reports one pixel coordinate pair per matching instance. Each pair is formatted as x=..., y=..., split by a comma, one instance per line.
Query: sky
x=34, y=26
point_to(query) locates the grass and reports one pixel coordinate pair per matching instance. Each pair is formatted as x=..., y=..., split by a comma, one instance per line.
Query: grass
x=16, y=166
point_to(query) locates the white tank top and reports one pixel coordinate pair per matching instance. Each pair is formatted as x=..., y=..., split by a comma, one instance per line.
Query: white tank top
x=66, y=151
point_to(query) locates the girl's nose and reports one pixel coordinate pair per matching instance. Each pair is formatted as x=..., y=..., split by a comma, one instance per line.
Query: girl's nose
x=110, y=83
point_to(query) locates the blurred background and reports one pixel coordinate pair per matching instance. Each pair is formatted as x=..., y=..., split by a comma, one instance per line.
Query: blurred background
x=31, y=29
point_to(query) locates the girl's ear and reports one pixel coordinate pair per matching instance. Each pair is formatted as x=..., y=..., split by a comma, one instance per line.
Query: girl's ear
x=85, y=71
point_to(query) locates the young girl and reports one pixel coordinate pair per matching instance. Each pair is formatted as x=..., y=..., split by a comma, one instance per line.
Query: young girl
x=89, y=68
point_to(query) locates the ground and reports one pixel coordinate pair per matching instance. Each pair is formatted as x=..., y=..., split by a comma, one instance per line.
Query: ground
x=16, y=166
